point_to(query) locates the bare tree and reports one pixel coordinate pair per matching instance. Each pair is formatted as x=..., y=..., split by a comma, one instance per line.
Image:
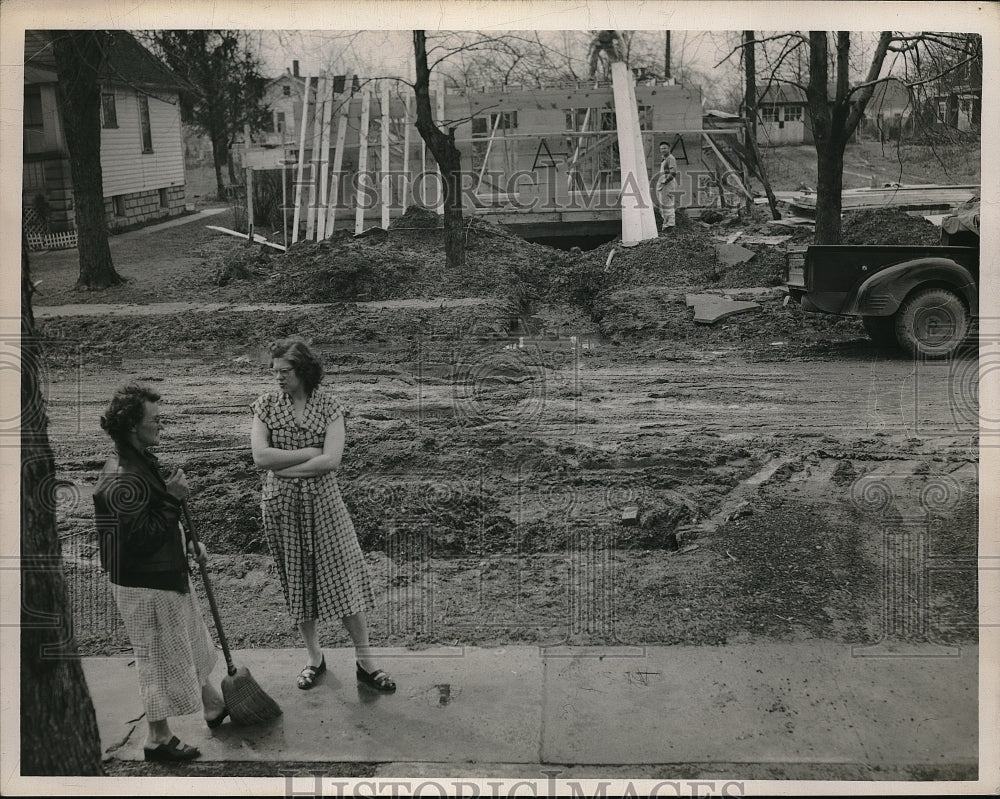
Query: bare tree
x=442, y=145
x=80, y=56
x=750, y=115
x=837, y=96
x=59, y=734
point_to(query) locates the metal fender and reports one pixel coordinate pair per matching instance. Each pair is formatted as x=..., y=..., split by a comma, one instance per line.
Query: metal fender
x=883, y=292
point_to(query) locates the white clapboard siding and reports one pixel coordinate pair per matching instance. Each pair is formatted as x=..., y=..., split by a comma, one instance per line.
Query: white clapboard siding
x=125, y=166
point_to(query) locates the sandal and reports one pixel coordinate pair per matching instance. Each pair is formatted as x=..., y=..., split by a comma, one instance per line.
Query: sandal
x=171, y=752
x=308, y=675
x=377, y=679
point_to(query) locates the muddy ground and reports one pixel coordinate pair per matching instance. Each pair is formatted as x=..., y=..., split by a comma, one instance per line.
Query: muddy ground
x=785, y=472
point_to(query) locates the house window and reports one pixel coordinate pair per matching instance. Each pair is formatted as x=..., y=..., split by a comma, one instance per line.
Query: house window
x=507, y=120
x=164, y=199
x=943, y=111
x=119, y=203
x=793, y=113
x=769, y=113
x=268, y=126
x=32, y=108
x=109, y=114
x=604, y=118
x=144, y=126
x=645, y=117
x=34, y=175
x=34, y=127
x=483, y=126
x=286, y=91
x=575, y=118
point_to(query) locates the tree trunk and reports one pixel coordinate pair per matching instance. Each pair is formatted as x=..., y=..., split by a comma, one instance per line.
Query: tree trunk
x=829, y=185
x=59, y=734
x=230, y=166
x=218, y=159
x=829, y=181
x=446, y=154
x=79, y=55
x=450, y=162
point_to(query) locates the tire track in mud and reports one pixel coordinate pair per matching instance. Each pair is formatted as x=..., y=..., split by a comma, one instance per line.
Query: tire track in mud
x=547, y=475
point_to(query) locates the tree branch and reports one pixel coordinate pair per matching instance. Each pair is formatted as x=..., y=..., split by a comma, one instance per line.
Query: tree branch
x=776, y=37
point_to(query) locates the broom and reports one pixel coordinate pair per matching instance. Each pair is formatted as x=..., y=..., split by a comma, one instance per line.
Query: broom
x=246, y=700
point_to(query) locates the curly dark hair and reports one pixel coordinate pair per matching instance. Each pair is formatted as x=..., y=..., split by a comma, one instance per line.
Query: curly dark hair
x=126, y=410
x=306, y=363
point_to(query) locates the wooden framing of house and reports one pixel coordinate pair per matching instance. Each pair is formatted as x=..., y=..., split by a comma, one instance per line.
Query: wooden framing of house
x=544, y=160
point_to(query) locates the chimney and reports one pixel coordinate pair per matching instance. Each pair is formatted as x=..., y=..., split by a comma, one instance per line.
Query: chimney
x=295, y=69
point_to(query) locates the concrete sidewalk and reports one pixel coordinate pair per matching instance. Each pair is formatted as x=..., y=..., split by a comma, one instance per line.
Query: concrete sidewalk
x=807, y=703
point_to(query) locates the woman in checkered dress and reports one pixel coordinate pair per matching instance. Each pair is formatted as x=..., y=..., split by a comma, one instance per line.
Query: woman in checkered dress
x=298, y=436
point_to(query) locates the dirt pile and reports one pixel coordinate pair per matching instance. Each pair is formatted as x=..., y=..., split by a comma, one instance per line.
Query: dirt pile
x=416, y=217
x=409, y=262
x=370, y=267
x=887, y=226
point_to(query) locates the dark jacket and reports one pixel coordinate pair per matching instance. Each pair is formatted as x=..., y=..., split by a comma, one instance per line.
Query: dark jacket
x=138, y=523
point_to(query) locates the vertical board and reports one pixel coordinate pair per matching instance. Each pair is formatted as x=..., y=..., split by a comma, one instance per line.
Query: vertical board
x=324, y=163
x=359, y=210
x=634, y=226
x=249, y=181
x=338, y=156
x=406, y=152
x=440, y=118
x=314, y=160
x=301, y=164
x=386, y=179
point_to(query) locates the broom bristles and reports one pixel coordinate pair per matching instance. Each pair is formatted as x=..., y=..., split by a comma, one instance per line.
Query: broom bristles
x=246, y=700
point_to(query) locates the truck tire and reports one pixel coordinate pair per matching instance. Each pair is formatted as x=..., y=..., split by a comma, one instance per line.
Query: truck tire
x=882, y=331
x=932, y=322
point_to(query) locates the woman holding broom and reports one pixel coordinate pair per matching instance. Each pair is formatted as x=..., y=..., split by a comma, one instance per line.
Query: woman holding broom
x=298, y=436
x=142, y=547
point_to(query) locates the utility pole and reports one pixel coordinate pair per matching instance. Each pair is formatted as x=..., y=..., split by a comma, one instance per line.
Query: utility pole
x=750, y=84
x=666, y=56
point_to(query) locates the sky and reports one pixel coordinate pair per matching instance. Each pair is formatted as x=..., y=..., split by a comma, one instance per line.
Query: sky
x=390, y=52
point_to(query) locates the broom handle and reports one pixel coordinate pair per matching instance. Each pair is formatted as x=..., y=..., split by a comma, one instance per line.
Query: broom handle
x=208, y=589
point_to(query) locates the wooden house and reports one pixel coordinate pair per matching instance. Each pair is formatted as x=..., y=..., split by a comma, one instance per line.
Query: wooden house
x=958, y=96
x=142, y=158
x=889, y=112
x=284, y=99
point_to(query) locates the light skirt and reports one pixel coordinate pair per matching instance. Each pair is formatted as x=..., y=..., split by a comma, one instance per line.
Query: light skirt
x=174, y=652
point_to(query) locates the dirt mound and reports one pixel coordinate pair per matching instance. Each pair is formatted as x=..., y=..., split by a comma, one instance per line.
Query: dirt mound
x=418, y=217
x=348, y=268
x=887, y=226
x=682, y=257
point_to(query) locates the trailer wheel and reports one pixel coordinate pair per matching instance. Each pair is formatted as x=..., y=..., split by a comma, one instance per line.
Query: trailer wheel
x=881, y=330
x=932, y=323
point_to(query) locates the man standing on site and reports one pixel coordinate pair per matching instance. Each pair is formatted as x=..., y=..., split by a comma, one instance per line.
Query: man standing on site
x=666, y=184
